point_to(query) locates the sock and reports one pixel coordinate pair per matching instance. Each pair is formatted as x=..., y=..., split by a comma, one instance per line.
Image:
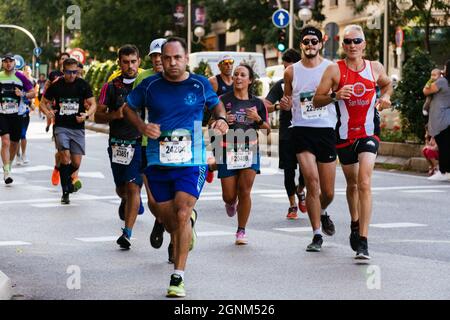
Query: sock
x=64, y=171
x=180, y=273
x=317, y=232
x=127, y=232
x=354, y=225
x=361, y=238
x=7, y=167
x=323, y=212
x=240, y=229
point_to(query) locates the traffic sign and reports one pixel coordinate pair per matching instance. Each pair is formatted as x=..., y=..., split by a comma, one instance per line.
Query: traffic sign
x=37, y=51
x=78, y=54
x=280, y=18
x=399, y=36
x=20, y=61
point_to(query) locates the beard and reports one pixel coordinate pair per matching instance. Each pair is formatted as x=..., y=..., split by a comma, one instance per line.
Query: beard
x=311, y=55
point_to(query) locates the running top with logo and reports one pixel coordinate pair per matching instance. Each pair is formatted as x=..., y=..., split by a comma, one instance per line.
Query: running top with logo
x=113, y=95
x=222, y=87
x=178, y=108
x=304, y=84
x=357, y=116
x=9, y=101
x=69, y=101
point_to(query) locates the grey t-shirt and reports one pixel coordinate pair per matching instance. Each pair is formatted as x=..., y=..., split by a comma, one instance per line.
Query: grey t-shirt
x=439, y=118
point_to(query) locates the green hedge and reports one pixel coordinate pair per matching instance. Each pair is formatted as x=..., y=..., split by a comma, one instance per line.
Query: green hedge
x=98, y=74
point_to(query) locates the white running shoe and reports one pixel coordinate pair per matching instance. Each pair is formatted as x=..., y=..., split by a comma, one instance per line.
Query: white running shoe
x=439, y=176
x=25, y=160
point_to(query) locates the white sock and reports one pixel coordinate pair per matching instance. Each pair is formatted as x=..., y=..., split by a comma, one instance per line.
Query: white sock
x=180, y=273
x=317, y=231
x=323, y=212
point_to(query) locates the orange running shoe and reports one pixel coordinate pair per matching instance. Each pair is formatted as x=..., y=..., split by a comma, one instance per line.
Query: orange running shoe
x=292, y=214
x=55, y=176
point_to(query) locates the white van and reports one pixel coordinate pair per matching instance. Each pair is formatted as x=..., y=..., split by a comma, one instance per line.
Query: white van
x=254, y=59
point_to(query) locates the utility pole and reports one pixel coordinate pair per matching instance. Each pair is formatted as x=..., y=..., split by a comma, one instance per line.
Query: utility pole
x=291, y=24
x=385, y=36
x=62, y=34
x=189, y=26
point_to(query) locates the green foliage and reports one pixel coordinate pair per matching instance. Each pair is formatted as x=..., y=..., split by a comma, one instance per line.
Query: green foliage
x=204, y=69
x=409, y=95
x=97, y=75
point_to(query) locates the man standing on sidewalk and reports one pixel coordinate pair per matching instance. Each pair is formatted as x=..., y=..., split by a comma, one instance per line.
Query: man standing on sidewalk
x=74, y=103
x=351, y=83
x=313, y=133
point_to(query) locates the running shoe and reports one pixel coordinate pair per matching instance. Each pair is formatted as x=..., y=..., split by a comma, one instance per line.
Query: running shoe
x=176, y=287
x=122, y=210
x=362, y=252
x=194, y=234
x=292, y=213
x=7, y=177
x=316, y=244
x=209, y=176
x=231, y=209
x=65, y=198
x=438, y=176
x=302, y=201
x=141, y=207
x=76, y=185
x=241, y=238
x=327, y=225
x=25, y=160
x=55, y=176
x=124, y=242
x=156, y=237
x=171, y=258
x=354, y=238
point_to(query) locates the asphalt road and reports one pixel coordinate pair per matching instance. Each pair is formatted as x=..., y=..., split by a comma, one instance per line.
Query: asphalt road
x=52, y=251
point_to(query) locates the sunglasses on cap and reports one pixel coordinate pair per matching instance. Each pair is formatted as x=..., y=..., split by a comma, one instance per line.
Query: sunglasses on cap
x=228, y=61
x=355, y=40
x=69, y=72
x=307, y=41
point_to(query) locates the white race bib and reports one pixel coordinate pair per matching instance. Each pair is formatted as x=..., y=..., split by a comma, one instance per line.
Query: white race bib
x=68, y=108
x=122, y=154
x=308, y=110
x=175, y=151
x=10, y=107
x=240, y=159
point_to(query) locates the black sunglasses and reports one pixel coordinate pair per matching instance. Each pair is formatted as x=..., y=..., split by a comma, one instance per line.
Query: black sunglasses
x=355, y=40
x=70, y=72
x=307, y=41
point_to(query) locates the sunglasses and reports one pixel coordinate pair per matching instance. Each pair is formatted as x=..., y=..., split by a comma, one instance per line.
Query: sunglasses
x=69, y=72
x=307, y=41
x=355, y=40
x=230, y=61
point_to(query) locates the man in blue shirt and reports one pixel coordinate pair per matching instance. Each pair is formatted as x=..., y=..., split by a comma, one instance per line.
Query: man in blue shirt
x=176, y=154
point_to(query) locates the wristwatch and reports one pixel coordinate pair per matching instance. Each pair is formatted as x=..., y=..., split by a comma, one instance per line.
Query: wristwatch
x=333, y=96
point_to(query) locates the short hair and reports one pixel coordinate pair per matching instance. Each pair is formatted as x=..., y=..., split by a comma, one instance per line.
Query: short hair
x=126, y=50
x=63, y=54
x=80, y=65
x=70, y=62
x=175, y=39
x=291, y=56
x=354, y=27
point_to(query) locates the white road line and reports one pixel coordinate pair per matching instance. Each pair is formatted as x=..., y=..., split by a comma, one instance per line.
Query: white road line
x=422, y=241
x=21, y=170
x=95, y=174
x=424, y=191
x=14, y=243
x=214, y=233
x=211, y=198
x=397, y=225
x=52, y=205
x=274, y=196
x=294, y=229
x=99, y=239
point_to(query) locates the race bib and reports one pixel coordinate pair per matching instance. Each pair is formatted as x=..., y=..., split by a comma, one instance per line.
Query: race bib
x=175, y=149
x=307, y=108
x=122, y=154
x=10, y=106
x=240, y=159
x=68, y=107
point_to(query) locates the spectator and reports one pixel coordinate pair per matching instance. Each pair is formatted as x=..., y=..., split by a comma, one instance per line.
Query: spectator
x=435, y=74
x=431, y=152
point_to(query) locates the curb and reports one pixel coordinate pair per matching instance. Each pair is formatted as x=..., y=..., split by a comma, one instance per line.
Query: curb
x=5, y=287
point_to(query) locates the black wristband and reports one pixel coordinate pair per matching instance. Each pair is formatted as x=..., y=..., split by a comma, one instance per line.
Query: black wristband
x=222, y=118
x=260, y=122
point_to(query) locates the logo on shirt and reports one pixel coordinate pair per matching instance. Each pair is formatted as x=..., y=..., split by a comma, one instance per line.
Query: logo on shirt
x=359, y=89
x=190, y=99
x=370, y=143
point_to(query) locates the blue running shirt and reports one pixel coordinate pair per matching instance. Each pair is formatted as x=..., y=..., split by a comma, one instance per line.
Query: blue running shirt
x=178, y=108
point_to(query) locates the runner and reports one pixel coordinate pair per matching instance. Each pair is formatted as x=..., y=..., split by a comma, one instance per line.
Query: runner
x=74, y=103
x=175, y=100
x=14, y=87
x=124, y=143
x=286, y=153
x=239, y=162
x=352, y=83
x=313, y=133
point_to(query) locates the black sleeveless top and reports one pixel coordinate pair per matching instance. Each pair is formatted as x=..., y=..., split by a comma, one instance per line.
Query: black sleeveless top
x=222, y=87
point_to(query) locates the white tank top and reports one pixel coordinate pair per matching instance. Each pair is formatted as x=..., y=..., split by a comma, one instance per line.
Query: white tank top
x=304, y=85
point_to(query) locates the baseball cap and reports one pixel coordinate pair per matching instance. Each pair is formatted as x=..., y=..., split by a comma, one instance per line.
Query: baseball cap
x=156, y=45
x=310, y=30
x=8, y=55
x=226, y=57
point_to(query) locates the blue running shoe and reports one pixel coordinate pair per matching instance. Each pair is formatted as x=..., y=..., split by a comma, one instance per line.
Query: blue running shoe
x=141, y=208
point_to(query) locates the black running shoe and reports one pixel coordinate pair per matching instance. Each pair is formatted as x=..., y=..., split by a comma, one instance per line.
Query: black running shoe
x=327, y=225
x=316, y=244
x=156, y=237
x=124, y=242
x=362, y=252
x=65, y=198
x=354, y=239
x=122, y=210
x=170, y=251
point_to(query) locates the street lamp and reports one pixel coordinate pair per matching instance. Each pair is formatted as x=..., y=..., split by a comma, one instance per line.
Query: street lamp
x=305, y=15
x=199, y=32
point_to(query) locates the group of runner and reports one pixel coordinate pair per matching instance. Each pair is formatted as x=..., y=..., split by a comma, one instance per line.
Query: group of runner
x=156, y=140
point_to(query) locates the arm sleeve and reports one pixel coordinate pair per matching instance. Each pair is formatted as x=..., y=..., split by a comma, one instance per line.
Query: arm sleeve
x=136, y=98
x=276, y=93
x=27, y=85
x=440, y=83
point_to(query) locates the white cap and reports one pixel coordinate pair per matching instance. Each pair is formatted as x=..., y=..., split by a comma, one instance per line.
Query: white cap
x=225, y=57
x=156, y=45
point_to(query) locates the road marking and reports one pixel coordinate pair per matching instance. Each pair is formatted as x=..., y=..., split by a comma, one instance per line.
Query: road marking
x=95, y=174
x=274, y=195
x=295, y=229
x=214, y=233
x=424, y=191
x=99, y=239
x=14, y=243
x=31, y=169
x=52, y=205
x=211, y=198
x=423, y=241
x=397, y=225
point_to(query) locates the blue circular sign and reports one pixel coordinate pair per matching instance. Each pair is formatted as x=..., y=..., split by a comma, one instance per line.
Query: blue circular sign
x=280, y=18
x=37, y=51
x=20, y=62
